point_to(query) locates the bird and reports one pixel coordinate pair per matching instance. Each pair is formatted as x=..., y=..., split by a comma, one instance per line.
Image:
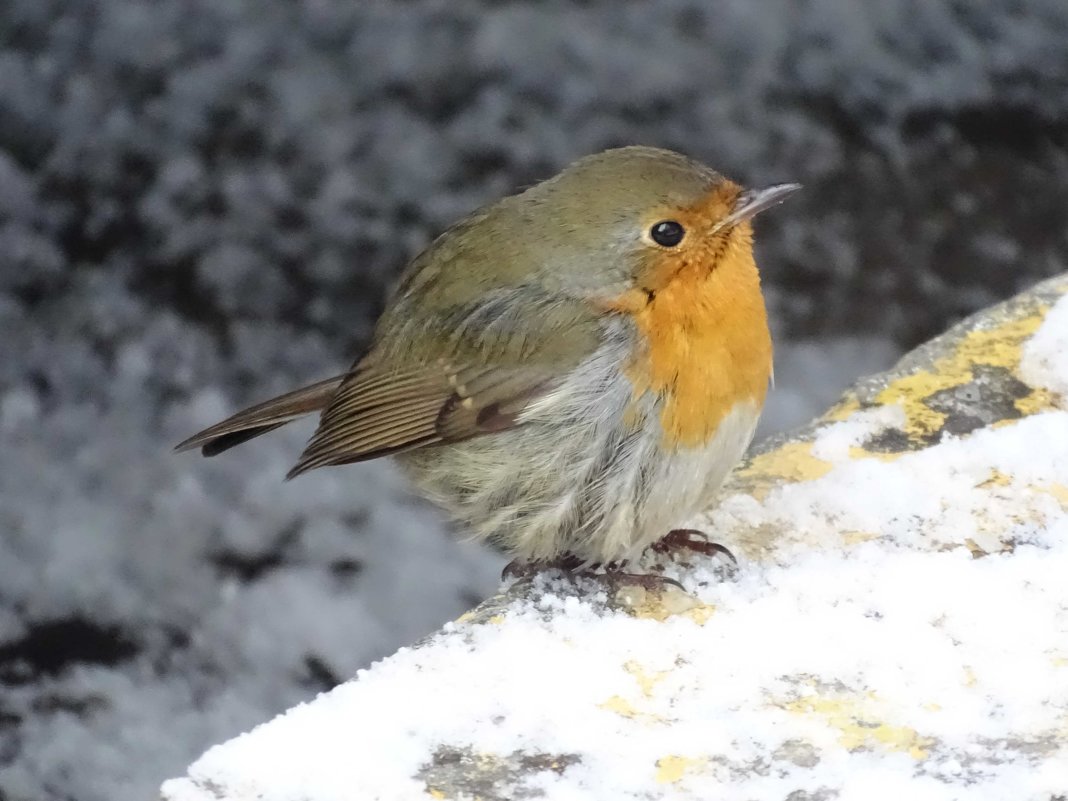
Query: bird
x=570, y=372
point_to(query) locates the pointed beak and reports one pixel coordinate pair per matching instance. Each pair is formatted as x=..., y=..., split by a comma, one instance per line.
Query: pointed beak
x=753, y=201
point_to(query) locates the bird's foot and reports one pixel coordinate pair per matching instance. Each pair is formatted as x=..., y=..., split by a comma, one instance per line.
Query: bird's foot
x=521, y=569
x=690, y=539
x=616, y=577
x=614, y=574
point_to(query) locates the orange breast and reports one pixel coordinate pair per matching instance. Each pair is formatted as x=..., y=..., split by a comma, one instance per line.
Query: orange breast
x=707, y=345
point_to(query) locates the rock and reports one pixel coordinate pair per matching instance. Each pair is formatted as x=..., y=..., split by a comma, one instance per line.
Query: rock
x=897, y=625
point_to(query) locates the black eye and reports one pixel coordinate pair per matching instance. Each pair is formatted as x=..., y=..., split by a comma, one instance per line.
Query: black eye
x=667, y=233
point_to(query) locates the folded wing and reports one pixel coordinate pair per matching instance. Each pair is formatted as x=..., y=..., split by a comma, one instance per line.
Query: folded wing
x=379, y=412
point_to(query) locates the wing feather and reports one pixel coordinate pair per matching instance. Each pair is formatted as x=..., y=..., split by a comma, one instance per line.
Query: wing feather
x=263, y=417
x=374, y=414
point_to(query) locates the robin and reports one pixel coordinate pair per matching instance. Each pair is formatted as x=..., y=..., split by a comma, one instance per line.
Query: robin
x=571, y=371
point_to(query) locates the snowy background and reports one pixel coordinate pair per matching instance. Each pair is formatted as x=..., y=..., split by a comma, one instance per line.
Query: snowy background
x=203, y=203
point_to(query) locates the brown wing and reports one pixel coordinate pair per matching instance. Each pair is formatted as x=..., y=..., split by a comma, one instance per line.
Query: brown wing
x=400, y=396
x=378, y=411
x=263, y=417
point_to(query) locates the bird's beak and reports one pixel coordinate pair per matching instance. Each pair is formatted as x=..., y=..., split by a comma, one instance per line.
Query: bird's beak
x=753, y=201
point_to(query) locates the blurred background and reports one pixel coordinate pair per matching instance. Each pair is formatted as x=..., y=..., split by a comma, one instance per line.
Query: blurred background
x=203, y=203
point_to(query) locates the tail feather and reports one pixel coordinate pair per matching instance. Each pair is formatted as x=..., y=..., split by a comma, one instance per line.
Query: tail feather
x=263, y=417
x=227, y=441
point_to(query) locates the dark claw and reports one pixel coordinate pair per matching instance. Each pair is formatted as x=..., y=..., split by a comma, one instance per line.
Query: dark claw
x=690, y=539
x=650, y=581
x=518, y=569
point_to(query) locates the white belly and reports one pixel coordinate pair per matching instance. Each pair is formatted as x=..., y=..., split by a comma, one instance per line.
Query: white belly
x=680, y=485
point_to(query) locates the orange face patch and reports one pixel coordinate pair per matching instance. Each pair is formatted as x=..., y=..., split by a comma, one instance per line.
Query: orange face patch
x=701, y=313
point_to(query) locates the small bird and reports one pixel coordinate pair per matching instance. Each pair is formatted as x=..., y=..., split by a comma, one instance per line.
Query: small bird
x=571, y=372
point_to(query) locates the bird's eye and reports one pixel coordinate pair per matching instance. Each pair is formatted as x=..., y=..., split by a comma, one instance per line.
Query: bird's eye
x=667, y=233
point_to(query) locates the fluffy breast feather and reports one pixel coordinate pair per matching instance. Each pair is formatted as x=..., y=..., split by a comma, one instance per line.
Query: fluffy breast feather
x=587, y=472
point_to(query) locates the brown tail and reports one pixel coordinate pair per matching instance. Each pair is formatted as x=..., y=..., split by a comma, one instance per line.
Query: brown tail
x=263, y=417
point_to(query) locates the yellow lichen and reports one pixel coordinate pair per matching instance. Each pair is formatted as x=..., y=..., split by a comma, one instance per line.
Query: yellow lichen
x=662, y=604
x=860, y=726
x=1058, y=491
x=996, y=346
x=619, y=705
x=997, y=479
x=858, y=537
x=792, y=461
x=842, y=410
x=700, y=614
x=857, y=452
x=897, y=738
x=670, y=769
x=624, y=708
x=1040, y=400
x=646, y=680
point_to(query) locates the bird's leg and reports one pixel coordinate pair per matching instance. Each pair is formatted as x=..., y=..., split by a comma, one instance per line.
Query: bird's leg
x=690, y=539
x=614, y=574
x=521, y=569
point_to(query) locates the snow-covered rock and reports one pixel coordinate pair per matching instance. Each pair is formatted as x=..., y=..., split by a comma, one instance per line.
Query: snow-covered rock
x=897, y=626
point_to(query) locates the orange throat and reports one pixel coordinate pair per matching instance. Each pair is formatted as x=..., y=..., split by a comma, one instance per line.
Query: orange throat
x=707, y=344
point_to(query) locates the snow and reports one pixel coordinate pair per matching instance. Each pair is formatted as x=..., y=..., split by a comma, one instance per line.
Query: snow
x=1045, y=357
x=904, y=634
